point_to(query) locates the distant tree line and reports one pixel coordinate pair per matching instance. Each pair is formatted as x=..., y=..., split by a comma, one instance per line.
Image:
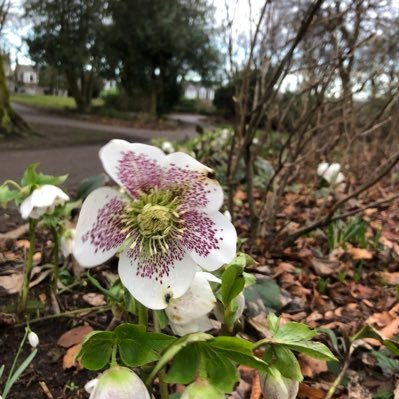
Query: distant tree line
x=148, y=47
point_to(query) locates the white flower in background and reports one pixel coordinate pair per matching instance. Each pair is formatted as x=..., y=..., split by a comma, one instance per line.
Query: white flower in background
x=224, y=135
x=42, y=200
x=165, y=225
x=67, y=242
x=167, y=147
x=202, y=389
x=117, y=383
x=278, y=387
x=189, y=313
x=331, y=173
x=33, y=339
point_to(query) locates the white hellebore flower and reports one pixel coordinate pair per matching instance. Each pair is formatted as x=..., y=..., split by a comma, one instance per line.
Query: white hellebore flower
x=165, y=224
x=167, y=147
x=117, y=383
x=33, y=339
x=188, y=314
x=331, y=173
x=42, y=200
x=67, y=242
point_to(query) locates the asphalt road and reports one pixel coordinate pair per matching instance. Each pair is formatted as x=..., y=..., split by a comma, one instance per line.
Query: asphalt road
x=70, y=146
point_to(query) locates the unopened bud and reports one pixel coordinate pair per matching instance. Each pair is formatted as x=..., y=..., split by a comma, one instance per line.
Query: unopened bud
x=202, y=389
x=33, y=339
x=278, y=387
x=118, y=383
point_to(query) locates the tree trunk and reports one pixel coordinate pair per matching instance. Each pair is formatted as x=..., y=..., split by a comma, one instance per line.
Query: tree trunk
x=10, y=122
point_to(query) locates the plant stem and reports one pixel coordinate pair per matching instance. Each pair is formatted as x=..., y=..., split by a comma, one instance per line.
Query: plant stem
x=67, y=314
x=28, y=269
x=142, y=314
x=337, y=381
x=55, y=277
x=163, y=386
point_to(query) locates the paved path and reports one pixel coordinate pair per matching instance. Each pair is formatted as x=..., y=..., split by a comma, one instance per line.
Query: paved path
x=76, y=154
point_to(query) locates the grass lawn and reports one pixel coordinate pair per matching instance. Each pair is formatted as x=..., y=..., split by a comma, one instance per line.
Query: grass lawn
x=48, y=102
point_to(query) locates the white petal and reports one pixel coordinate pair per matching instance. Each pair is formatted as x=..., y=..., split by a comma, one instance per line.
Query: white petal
x=340, y=178
x=134, y=166
x=198, y=301
x=201, y=324
x=210, y=238
x=210, y=277
x=26, y=207
x=155, y=283
x=90, y=385
x=98, y=232
x=321, y=169
x=202, y=191
x=47, y=195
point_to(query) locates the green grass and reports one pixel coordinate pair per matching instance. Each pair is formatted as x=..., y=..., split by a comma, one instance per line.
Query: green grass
x=48, y=102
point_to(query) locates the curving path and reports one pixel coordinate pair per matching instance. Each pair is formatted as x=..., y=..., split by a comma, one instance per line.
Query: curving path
x=70, y=146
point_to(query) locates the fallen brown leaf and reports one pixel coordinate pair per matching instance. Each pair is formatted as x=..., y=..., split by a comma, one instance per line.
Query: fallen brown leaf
x=311, y=367
x=74, y=336
x=360, y=253
x=308, y=392
x=94, y=299
x=389, y=278
x=69, y=359
x=325, y=267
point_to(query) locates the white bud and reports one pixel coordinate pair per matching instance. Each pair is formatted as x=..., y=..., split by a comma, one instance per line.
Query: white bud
x=33, y=339
x=201, y=389
x=167, y=147
x=67, y=242
x=278, y=387
x=118, y=383
x=331, y=173
x=89, y=386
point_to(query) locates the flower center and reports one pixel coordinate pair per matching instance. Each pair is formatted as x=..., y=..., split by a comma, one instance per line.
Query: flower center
x=152, y=220
x=155, y=220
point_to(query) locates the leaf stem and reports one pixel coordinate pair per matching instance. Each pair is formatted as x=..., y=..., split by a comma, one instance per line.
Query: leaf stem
x=142, y=314
x=262, y=342
x=163, y=386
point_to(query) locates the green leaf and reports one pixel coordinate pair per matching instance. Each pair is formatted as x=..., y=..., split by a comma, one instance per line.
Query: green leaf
x=10, y=382
x=96, y=350
x=175, y=348
x=29, y=176
x=250, y=279
x=233, y=283
x=393, y=346
x=185, y=366
x=138, y=347
x=284, y=361
x=239, y=351
x=273, y=323
x=316, y=350
x=221, y=372
x=265, y=292
x=293, y=331
x=90, y=184
x=366, y=332
x=7, y=195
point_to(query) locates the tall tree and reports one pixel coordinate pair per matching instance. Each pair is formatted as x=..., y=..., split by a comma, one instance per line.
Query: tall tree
x=155, y=44
x=10, y=122
x=67, y=35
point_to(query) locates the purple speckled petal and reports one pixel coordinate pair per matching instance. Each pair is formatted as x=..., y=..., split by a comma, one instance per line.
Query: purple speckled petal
x=155, y=281
x=197, y=189
x=134, y=166
x=98, y=232
x=209, y=238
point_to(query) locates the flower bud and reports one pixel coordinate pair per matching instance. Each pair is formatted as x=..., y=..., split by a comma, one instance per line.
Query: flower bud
x=118, y=383
x=278, y=387
x=202, y=389
x=33, y=339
